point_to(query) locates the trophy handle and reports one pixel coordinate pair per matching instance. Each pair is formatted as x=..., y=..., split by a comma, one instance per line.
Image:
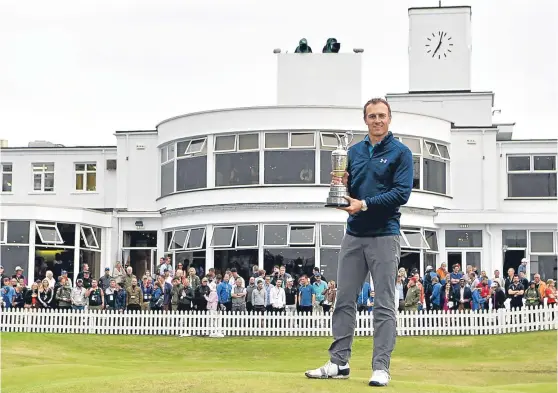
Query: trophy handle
x=349, y=137
x=345, y=140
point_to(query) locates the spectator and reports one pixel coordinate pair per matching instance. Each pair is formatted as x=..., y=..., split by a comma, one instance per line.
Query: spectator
x=224, y=293
x=19, y=275
x=497, y=295
x=86, y=279
x=484, y=291
x=277, y=297
x=158, y=298
x=259, y=297
x=249, y=289
x=201, y=295
x=515, y=292
x=79, y=301
x=315, y=274
x=96, y=296
x=550, y=292
x=104, y=281
x=447, y=298
x=64, y=294
x=306, y=296
x=455, y=277
x=175, y=293
x=509, y=281
x=50, y=279
x=128, y=278
x=186, y=296
x=166, y=287
x=499, y=279
x=46, y=294
x=8, y=294
x=400, y=293
x=363, y=296
x=330, y=295
x=234, y=278
x=523, y=280
x=110, y=295
x=436, y=297
x=478, y=301
x=318, y=287
x=30, y=299
x=413, y=295
x=147, y=289
x=532, y=296
x=238, y=295
x=2, y=276
x=522, y=268
x=194, y=279
x=119, y=273
x=267, y=287
x=134, y=297
x=291, y=296
x=463, y=296
x=428, y=286
x=540, y=286
x=442, y=271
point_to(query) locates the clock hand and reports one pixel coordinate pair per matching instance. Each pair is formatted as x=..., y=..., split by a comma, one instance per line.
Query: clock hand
x=438, y=47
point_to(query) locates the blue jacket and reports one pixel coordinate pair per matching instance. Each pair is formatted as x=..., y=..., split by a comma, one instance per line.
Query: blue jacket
x=384, y=179
x=436, y=294
x=478, y=301
x=224, y=292
x=364, y=294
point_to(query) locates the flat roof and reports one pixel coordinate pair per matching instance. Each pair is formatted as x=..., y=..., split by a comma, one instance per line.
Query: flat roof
x=57, y=147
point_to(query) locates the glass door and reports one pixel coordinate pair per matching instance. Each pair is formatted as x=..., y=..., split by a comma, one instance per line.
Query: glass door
x=141, y=261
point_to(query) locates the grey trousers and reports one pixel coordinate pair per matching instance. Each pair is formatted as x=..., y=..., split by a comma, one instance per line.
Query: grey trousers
x=358, y=256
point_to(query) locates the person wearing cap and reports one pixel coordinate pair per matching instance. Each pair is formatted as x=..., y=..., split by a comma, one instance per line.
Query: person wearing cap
x=523, y=266
x=86, y=279
x=201, y=295
x=104, y=281
x=429, y=275
x=532, y=296
x=78, y=297
x=412, y=299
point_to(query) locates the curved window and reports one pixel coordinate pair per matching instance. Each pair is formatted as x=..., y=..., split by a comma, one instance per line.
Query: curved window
x=289, y=158
x=167, y=169
x=237, y=160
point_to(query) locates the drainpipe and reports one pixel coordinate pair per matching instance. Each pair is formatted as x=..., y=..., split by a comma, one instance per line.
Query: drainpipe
x=482, y=172
x=490, y=245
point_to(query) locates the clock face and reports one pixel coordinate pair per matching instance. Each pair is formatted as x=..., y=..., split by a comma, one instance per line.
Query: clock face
x=439, y=45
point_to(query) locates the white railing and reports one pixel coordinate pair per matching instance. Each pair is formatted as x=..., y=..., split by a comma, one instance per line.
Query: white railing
x=438, y=323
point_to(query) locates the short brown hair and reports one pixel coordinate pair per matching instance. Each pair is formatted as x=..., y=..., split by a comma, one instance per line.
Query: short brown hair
x=375, y=101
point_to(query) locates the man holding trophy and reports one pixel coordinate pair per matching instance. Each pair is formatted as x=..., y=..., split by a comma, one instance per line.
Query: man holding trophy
x=370, y=181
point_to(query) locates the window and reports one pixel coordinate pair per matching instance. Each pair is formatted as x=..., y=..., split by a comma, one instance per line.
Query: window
x=301, y=235
x=413, y=239
x=86, y=177
x=275, y=235
x=531, y=176
x=237, y=160
x=431, y=239
x=514, y=238
x=240, y=236
x=437, y=150
x=167, y=169
x=331, y=234
x=461, y=239
x=191, y=164
x=289, y=158
x=434, y=169
x=545, y=266
x=49, y=234
x=542, y=242
x=3, y=232
x=187, y=239
x=6, y=177
x=89, y=237
x=43, y=177
x=328, y=143
x=223, y=237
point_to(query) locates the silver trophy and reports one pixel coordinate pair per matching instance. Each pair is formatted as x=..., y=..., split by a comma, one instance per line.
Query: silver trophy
x=339, y=161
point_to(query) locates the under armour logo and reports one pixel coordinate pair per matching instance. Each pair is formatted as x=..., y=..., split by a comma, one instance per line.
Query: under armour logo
x=383, y=160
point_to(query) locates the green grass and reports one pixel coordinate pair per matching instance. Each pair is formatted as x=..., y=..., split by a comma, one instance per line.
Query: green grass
x=61, y=363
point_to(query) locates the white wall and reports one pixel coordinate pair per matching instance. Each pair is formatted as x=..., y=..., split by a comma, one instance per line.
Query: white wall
x=319, y=79
x=450, y=71
x=138, y=171
x=463, y=109
x=295, y=118
x=64, y=193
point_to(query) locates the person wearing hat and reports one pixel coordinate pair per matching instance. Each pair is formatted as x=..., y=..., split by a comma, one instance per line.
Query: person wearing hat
x=429, y=274
x=412, y=299
x=532, y=296
x=498, y=296
x=104, y=281
x=19, y=275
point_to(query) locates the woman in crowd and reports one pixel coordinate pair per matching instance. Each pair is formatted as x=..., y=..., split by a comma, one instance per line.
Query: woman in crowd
x=46, y=294
x=330, y=294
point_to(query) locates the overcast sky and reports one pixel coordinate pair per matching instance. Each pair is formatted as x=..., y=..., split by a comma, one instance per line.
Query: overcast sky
x=73, y=72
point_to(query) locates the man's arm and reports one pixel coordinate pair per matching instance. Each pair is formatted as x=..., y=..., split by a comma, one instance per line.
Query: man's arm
x=402, y=185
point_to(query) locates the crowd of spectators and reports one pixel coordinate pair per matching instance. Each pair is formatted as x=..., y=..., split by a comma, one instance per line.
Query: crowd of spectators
x=183, y=290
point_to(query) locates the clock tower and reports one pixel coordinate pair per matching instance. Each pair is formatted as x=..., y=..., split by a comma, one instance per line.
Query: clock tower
x=440, y=49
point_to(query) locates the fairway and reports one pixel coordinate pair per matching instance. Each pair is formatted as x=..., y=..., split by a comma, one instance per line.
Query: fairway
x=63, y=363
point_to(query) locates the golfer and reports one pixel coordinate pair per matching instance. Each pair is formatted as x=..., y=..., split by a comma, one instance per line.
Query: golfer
x=379, y=179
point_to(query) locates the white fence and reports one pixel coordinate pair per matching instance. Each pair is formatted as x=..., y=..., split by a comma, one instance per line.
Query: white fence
x=242, y=324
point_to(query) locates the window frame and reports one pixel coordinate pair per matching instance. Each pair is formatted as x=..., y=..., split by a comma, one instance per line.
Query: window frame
x=4, y=172
x=463, y=247
x=408, y=245
x=236, y=246
x=529, y=244
x=276, y=245
x=171, y=243
x=188, y=154
x=236, y=148
x=289, y=140
x=325, y=146
x=530, y=171
x=200, y=247
x=322, y=224
x=85, y=172
x=40, y=168
x=306, y=226
x=231, y=240
x=85, y=241
x=49, y=226
x=4, y=232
